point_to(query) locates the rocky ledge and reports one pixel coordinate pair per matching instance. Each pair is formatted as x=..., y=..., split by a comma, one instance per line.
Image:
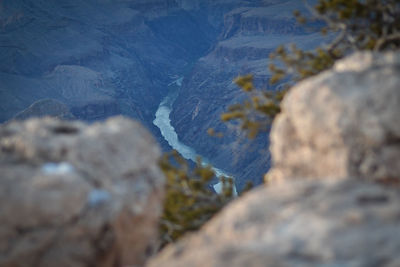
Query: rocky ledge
x=313, y=223
x=342, y=123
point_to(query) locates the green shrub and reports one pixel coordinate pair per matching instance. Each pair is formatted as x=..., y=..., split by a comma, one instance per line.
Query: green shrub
x=189, y=201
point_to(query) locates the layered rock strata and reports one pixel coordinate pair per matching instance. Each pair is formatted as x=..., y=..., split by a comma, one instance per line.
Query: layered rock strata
x=248, y=36
x=46, y=107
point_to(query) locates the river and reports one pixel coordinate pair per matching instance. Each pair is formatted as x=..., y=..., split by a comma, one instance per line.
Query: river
x=163, y=122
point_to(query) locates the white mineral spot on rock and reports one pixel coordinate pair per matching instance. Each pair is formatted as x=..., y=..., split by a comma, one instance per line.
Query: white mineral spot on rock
x=54, y=168
x=97, y=197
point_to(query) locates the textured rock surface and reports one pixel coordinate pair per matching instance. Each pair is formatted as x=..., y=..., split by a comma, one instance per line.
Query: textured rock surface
x=46, y=107
x=78, y=195
x=103, y=58
x=298, y=223
x=344, y=122
x=249, y=34
x=100, y=58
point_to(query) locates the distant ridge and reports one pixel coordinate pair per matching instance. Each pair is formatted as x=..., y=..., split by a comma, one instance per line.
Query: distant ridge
x=46, y=107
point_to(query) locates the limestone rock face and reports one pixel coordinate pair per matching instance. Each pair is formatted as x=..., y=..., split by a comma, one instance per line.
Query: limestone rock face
x=343, y=122
x=298, y=223
x=73, y=194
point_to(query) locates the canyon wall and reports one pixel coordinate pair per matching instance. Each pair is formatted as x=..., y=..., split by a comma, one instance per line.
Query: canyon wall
x=102, y=58
x=113, y=57
x=332, y=197
x=248, y=36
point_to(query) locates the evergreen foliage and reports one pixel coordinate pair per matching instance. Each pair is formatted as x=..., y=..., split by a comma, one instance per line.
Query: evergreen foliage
x=356, y=24
x=189, y=201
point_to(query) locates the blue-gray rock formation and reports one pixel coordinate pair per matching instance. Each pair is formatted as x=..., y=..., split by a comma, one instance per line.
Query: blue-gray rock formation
x=100, y=58
x=46, y=107
x=249, y=35
x=103, y=58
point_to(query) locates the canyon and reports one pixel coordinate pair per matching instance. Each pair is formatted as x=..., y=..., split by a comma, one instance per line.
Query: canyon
x=95, y=59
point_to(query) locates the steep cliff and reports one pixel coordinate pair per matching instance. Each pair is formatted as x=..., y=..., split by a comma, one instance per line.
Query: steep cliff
x=248, y=36
x=103, y=58
x=122, y=53
x=46, y=107
x=334, y=196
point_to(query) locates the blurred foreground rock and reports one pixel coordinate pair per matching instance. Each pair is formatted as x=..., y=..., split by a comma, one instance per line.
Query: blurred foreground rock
x=298, y=223
x=342, y=125
x=343, y=122
x=73, y=194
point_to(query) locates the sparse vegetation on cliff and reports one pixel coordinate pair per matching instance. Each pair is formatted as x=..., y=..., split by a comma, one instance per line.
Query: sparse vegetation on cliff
x=189, y=201
x=350, y=25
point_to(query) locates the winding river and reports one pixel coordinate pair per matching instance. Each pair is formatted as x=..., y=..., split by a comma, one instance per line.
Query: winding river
x=163, y=122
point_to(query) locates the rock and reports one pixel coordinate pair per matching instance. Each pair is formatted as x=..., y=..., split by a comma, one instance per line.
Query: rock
x=342, y=122
x=298, y=223
x=45, y=107
x=248, y=35
x=73, y=194
x=341, y=125
x=102, y=52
